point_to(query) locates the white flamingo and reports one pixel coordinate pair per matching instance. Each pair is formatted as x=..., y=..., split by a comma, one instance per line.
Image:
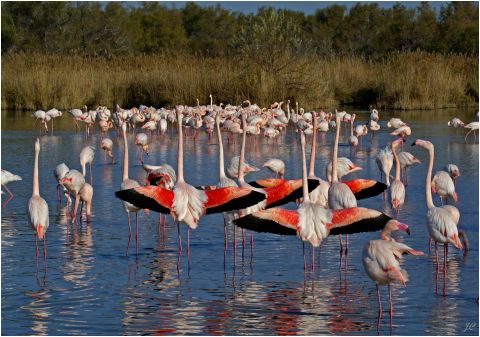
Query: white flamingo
x=8, y=177
x=86, y=157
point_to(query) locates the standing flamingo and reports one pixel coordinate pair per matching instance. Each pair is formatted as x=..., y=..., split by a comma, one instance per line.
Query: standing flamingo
x=86, y=156
x=406, y=160
x=53, y=113
x=397, y=189
x=6, y=178
x=385, y=162
x=441, y=225
x=277, y=166
x=453, y=171
x=339, y=195
x=38, y=210
x=443, y=185
x=353, y=140
x=125, y=185
x=381, y=262
x=107, y=146
x=86, y=196
x=473, y=126
x=60, y=172
x=74, y=181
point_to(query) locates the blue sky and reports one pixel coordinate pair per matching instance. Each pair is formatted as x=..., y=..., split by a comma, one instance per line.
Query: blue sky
x=309, y=7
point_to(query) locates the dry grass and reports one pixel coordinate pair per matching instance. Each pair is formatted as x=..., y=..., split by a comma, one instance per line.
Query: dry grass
x=404, y=81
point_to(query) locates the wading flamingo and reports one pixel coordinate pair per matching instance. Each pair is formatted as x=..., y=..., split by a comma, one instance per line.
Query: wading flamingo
x=8, y=177
x=86, y=157
x=397, y=189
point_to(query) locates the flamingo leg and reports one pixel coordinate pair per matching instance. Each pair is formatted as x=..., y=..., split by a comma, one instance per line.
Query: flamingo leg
x=129, y=232
x=312, y=267
x=81, y=210
x=45, y=250
x=391, y=306
x=75, y=207
x=379, y=303
x=59, y=198
x=36, y=250
x=467, y=134
x=304, y=258
x=341, y=244
x=10, y=197
x=136, y=233
x=188, y=246
x=224, y=234
x=179, y=238
x=444, y=268
x=346, y=244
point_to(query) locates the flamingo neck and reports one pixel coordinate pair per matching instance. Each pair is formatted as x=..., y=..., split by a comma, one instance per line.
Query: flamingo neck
x=83, y=169
x=335, y=150
x=220, y=151
x=306, y=197
x=242, y=152
x=288, y=111
x=125, y=157
x=180, y=151
x=311, y=172
x=36, y=188
x=351, y=128
x=428, y=180
x=397, y=163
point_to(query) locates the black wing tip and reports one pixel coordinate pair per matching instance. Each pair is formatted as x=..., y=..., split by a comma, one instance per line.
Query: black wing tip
x=371, y=191
x=255, y=184
x=251, y=199
x=253, y=223
x=363, y=226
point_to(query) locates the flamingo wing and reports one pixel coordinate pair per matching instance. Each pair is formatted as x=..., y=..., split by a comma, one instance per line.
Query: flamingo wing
x=365, y=188
x=148, y=197
x=291, y=190
x=228, y=199
x=265, y=183
x=356, y=220
x=274, y=220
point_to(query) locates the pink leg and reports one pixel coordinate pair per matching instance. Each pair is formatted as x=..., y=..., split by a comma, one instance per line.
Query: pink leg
x=436, y=268
x=75, y=207
x=188, y=245
x=391, y=307
x=45, y=250
x=444, y=268
x=10, y=197
x=379, y=303
x=312, y=267
x=59, y=198
x=429, y=244
x=341, y=244
x=136, y=233
x=304, y=258
x=224, y=233
x=36, y=250
x=346, y=244
x=129, y=233
x=179, y=238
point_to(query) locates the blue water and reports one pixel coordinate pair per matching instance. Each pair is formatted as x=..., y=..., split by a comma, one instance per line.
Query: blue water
x=91, y=287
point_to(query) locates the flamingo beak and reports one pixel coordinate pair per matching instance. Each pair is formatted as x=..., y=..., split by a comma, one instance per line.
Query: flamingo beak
x=413, y=144
x=403, y=227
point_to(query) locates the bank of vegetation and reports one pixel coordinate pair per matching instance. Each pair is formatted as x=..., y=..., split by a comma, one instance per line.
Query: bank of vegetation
x=68, y=54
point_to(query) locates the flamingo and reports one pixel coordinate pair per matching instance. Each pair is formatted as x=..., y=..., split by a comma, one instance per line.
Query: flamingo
x=60, y=172
x=395, y=123
x=374, y=115
x=319, y=195
x=453, y=171
x=8, y=177
x=232, y=169
x=38, y=210
x=443, y=185
x=455, y=122
x=339, y=195
x=353, y=140
x=380, y=259
x=141, y=140
x=384, y=161
x=402, y=131
x=86, y=196
x=344, y=167
x=440, y=223
x=397, y=189
x=86, y=156
x=74, y=182
x=107, y=146
x=473, y=126
x=374, y=126
x=77, y=115
x=277, y=166
x=126, y=184
x=406, y=160
x=53, y=113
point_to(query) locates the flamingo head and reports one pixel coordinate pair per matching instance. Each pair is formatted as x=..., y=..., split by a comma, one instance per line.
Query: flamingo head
x=395, y=225
x=423, y=143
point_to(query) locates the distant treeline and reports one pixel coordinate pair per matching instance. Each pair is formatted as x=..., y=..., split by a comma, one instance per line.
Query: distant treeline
x=116, y=28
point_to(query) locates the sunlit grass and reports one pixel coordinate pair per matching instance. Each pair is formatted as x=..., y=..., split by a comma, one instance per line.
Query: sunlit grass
x=415, y=80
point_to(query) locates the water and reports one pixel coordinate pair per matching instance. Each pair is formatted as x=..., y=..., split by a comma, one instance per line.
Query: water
x=91, y=287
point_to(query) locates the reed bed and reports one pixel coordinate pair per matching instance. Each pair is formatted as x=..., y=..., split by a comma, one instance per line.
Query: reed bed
x=414, y=80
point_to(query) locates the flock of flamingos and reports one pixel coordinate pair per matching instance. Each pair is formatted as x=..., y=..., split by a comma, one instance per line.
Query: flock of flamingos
x=325, y=207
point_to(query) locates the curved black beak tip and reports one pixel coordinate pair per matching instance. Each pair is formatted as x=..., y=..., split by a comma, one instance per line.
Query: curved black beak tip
x=408, y=231
x=413, y=144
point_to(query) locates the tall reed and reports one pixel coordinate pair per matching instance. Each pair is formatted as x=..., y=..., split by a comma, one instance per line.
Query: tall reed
x=415, y=80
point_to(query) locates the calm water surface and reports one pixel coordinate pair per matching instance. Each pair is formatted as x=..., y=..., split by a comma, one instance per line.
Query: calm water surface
x=91, y=287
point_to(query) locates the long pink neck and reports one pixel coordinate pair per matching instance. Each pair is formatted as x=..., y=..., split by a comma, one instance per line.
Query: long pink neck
x=125, y=156
x=335, y=150
x=397, y=163
x=36, y=188
x=242, y=152
x=428, y=181
x=311, y=172
x=351, y=126
x=220, y=151
x=180, y=151
x=306, y=197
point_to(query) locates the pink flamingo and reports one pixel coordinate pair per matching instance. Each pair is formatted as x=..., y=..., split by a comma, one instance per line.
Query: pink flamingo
x=6, y=178
x=38, y=210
